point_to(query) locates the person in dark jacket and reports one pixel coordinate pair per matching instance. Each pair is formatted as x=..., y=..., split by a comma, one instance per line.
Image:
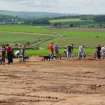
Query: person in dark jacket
x=69, y=51
x=98, y=52
x=9, y=54
x=56, y=50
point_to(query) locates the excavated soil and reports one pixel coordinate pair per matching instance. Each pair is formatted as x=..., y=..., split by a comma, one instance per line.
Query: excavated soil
x=53, y=83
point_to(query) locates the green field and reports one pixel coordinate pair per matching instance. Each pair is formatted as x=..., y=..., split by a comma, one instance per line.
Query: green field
x=65, y=20
x=89, y=51
x=40, y=36
x=73, y=21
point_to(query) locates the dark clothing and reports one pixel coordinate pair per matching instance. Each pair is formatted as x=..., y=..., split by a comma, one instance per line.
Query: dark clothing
x=10, y=58
x=98, y=52
x=56, y=49
x=10, y=55
x=69, y=49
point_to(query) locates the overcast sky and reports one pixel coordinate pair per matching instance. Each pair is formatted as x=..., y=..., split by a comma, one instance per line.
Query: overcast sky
x=59, y=6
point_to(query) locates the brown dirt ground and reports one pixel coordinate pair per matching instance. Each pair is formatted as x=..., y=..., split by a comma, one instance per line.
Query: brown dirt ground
x=53, y=83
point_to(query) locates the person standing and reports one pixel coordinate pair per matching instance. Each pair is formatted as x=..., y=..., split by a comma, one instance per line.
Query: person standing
x=103, y=52
x=69, y=51
x=98, y=52
x=81, y=52
x=51, y=49
x=9, y=54
x=56, y=50
x=22, y=53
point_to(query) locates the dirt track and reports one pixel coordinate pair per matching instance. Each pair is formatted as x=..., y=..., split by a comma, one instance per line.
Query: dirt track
x=53, y=83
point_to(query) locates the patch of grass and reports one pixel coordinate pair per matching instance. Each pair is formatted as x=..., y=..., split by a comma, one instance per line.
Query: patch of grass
x=37, y=52
x=40, y=36
x=65, y=20
x=43, y=52
x=25, y=29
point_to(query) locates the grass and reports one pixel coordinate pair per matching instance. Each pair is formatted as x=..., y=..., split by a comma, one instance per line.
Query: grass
x=40, y=36
x=36, y=52
x=25, y=29
x=72, y=21
x=65, y=20
x=90, y=39
x=43, y=52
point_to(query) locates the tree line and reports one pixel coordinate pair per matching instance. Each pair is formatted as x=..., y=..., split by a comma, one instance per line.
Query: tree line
x=6, y=19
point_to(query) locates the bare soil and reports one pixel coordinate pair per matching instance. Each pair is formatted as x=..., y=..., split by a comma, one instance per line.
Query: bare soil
x=53, y=83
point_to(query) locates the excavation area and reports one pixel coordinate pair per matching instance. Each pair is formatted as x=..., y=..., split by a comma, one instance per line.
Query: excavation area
x=53, y=83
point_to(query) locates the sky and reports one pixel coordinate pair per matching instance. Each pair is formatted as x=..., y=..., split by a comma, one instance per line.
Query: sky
x=57, y=6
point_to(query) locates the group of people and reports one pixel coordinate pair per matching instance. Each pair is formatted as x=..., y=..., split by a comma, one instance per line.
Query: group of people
x=53, y=49
x=6, y=52
x=99, y=53
x=68, y=51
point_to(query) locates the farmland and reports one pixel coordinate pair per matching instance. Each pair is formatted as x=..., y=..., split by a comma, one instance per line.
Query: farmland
x=55, y=82
x=40, y=36
x=65, y=20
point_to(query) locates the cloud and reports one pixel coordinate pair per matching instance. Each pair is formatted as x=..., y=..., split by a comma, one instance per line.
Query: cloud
x=61, y=6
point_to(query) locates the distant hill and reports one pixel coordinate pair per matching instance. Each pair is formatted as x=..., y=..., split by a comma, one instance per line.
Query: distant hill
x=30, y=15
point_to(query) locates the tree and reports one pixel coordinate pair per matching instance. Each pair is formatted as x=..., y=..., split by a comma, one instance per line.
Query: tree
x=100, y=19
